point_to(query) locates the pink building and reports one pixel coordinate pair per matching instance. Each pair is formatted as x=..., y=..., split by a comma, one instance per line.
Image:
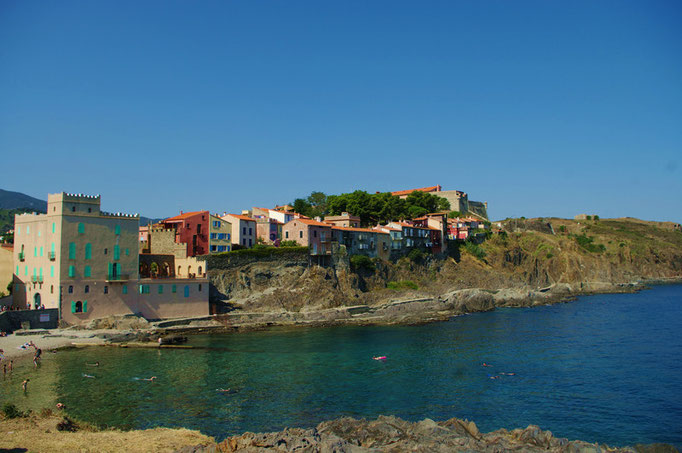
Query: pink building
x=309, y=233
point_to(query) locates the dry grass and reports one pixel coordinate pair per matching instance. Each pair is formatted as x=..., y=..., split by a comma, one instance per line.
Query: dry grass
x=40, y=434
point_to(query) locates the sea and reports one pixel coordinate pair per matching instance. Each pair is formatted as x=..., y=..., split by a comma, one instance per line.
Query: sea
x=603, y=368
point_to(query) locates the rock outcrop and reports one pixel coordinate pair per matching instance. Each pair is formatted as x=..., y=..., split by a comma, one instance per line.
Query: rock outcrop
x=392, y=434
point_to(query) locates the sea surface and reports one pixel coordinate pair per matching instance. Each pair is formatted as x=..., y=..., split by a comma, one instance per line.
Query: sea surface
x=604, y=368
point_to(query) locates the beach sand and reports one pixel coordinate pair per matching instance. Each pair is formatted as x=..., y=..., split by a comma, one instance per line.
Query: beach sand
x=56, y=338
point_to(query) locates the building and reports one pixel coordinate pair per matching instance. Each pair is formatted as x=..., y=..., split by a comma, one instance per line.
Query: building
x=309, y=233
x=269, y=231
x=85, y=263
x=364, y=241
x=343, y=220
x=243, y=229
x=191, y=229
x=414, y=236
x=6, y=264
x=459, y=201
x=219, y=235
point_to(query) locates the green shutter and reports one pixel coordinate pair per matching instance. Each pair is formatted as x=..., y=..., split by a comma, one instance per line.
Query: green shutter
x=25, y=270
x=117, y=252
x=52, y=247
x=41, y=250
x=53, y=227
x=34, y=272
x=86, y=271
x=81, y=230
x=72, y=250
x=17, y=273
x=117, y=229
x=73, y=306
x=174, y=289
x=186, y=290
x=88, y=251
x=41, y=273
x=160, y=289
x=85, y=306
x=35, y=251
x=18, y=230
x=125, y=289
x=51, y=271
x=72, y=271
x=127, y=252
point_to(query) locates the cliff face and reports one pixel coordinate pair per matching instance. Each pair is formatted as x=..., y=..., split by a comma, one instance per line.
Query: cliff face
x=578, y=255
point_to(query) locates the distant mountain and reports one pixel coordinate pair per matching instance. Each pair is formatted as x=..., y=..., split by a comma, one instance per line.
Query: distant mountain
x=17, y=200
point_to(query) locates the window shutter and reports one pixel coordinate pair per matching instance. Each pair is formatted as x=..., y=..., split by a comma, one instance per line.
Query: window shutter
x=85, y=306
x=117, y=252
x=117, y=229
x=111, y=270
x=73, y=306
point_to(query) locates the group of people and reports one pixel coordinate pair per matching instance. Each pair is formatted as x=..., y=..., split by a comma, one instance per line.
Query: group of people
x=15, y=308
x=497, y=376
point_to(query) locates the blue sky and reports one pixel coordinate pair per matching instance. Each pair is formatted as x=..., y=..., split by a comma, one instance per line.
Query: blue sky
x=540, y=108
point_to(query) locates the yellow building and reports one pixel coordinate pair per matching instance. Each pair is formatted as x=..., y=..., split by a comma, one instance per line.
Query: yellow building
x=85, y=262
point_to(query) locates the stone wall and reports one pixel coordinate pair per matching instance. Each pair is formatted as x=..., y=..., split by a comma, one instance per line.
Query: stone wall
x=162, y=242
x=12, y=320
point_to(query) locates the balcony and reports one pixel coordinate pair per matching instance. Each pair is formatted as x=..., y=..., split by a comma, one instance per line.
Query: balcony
x=22, y=256
x=51, y=255
x=118, y=277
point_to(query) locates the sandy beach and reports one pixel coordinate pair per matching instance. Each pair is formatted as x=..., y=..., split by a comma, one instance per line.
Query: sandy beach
x=49, y=340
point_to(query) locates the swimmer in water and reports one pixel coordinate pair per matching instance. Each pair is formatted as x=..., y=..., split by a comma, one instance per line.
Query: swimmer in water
x=92, y=364
x=485, y=364
x=227, y=390
x=494, y=377
x=24, y=385
x=60, y=406
x=151, y=379
x=88, y=376
x=383, y=357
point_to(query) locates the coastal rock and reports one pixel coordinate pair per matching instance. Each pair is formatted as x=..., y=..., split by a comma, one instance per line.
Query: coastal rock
x=392, y=434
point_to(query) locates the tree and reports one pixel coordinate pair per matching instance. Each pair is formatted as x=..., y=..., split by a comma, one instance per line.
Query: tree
x=302, y=206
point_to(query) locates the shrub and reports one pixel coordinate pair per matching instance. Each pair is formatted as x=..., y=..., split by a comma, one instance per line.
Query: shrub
x=402, y=284
x=596, y=217
x=562, y=228
x=11, y=411
x=264, y=251
x=587, y=243
x=589, y=217
x=416, y=256
x=475, y=250
x=362, y=263
x=288, y=244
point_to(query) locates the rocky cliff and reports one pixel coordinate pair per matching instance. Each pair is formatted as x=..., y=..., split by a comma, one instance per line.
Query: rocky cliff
x=536, y=261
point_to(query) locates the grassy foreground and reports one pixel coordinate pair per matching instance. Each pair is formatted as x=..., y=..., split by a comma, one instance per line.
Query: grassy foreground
x=40, y=433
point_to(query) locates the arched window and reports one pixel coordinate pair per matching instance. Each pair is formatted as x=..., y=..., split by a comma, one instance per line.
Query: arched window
x=199, y=270
x=79, y=307
x=51, y=289
x=179, y=271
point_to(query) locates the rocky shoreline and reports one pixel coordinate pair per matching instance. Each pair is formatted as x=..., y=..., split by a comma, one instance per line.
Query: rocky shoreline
x=392, y=434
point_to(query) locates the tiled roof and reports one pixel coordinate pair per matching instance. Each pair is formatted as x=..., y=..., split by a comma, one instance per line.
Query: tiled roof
x=422, y=189
x=361, y=230
x=241, y=217
x=183, y=216
x=311, y=222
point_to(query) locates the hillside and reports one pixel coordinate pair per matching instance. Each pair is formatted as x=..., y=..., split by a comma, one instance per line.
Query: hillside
x=15, y=200
x=580, y=257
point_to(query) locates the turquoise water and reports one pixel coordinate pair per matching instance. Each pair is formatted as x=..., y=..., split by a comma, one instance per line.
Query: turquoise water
x=604, y=368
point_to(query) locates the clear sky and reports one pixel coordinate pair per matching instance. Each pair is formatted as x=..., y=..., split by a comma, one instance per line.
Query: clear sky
x=541, y=108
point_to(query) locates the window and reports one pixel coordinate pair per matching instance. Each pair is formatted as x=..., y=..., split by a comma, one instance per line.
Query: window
x=76, y=307
x=53, y=227
x=51, y=289
x=214, y=236
x=17, y=272
x=124, y=290
x=72, y=250
x=41, y=251
x=89, y=209
x=87, y=289
x=19, y=230
x=127, y=252
x=250, y=242
x=286, y=234
x=81, y=228
x=214, y=248
x=174, y=289
x=72, y=271
x=117, y=229
x=186, y=290
x=117, y=252
x=314, y=233
x=28, y=229
x=243, y=241
x=300, y=234
x=106, y=289
x=160, y=289
x=229, y=236
x=86, y=271
x=199, y=287
x=70, y=289
x=73, y=209
x=106, y=251
x=88, y=251
x=244, y=230
x=35, y=251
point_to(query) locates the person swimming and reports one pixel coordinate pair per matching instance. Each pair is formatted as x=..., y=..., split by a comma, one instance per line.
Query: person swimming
x=227, y=390
x=485, y=364
x=383, y=357
x=92, y=364
x=88, y=376
x=151, y=379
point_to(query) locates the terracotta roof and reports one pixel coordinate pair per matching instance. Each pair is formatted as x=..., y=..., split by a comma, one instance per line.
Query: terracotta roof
x=390, y=229
x=360, y=230
x=311, y=222
x=422, y=189
x=241, y=217
x=183, y=216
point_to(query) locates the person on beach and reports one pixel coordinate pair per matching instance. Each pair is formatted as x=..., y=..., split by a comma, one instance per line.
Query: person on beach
x=11, y=365
x=24, y=385
x=4, y=369
x=36, y=358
